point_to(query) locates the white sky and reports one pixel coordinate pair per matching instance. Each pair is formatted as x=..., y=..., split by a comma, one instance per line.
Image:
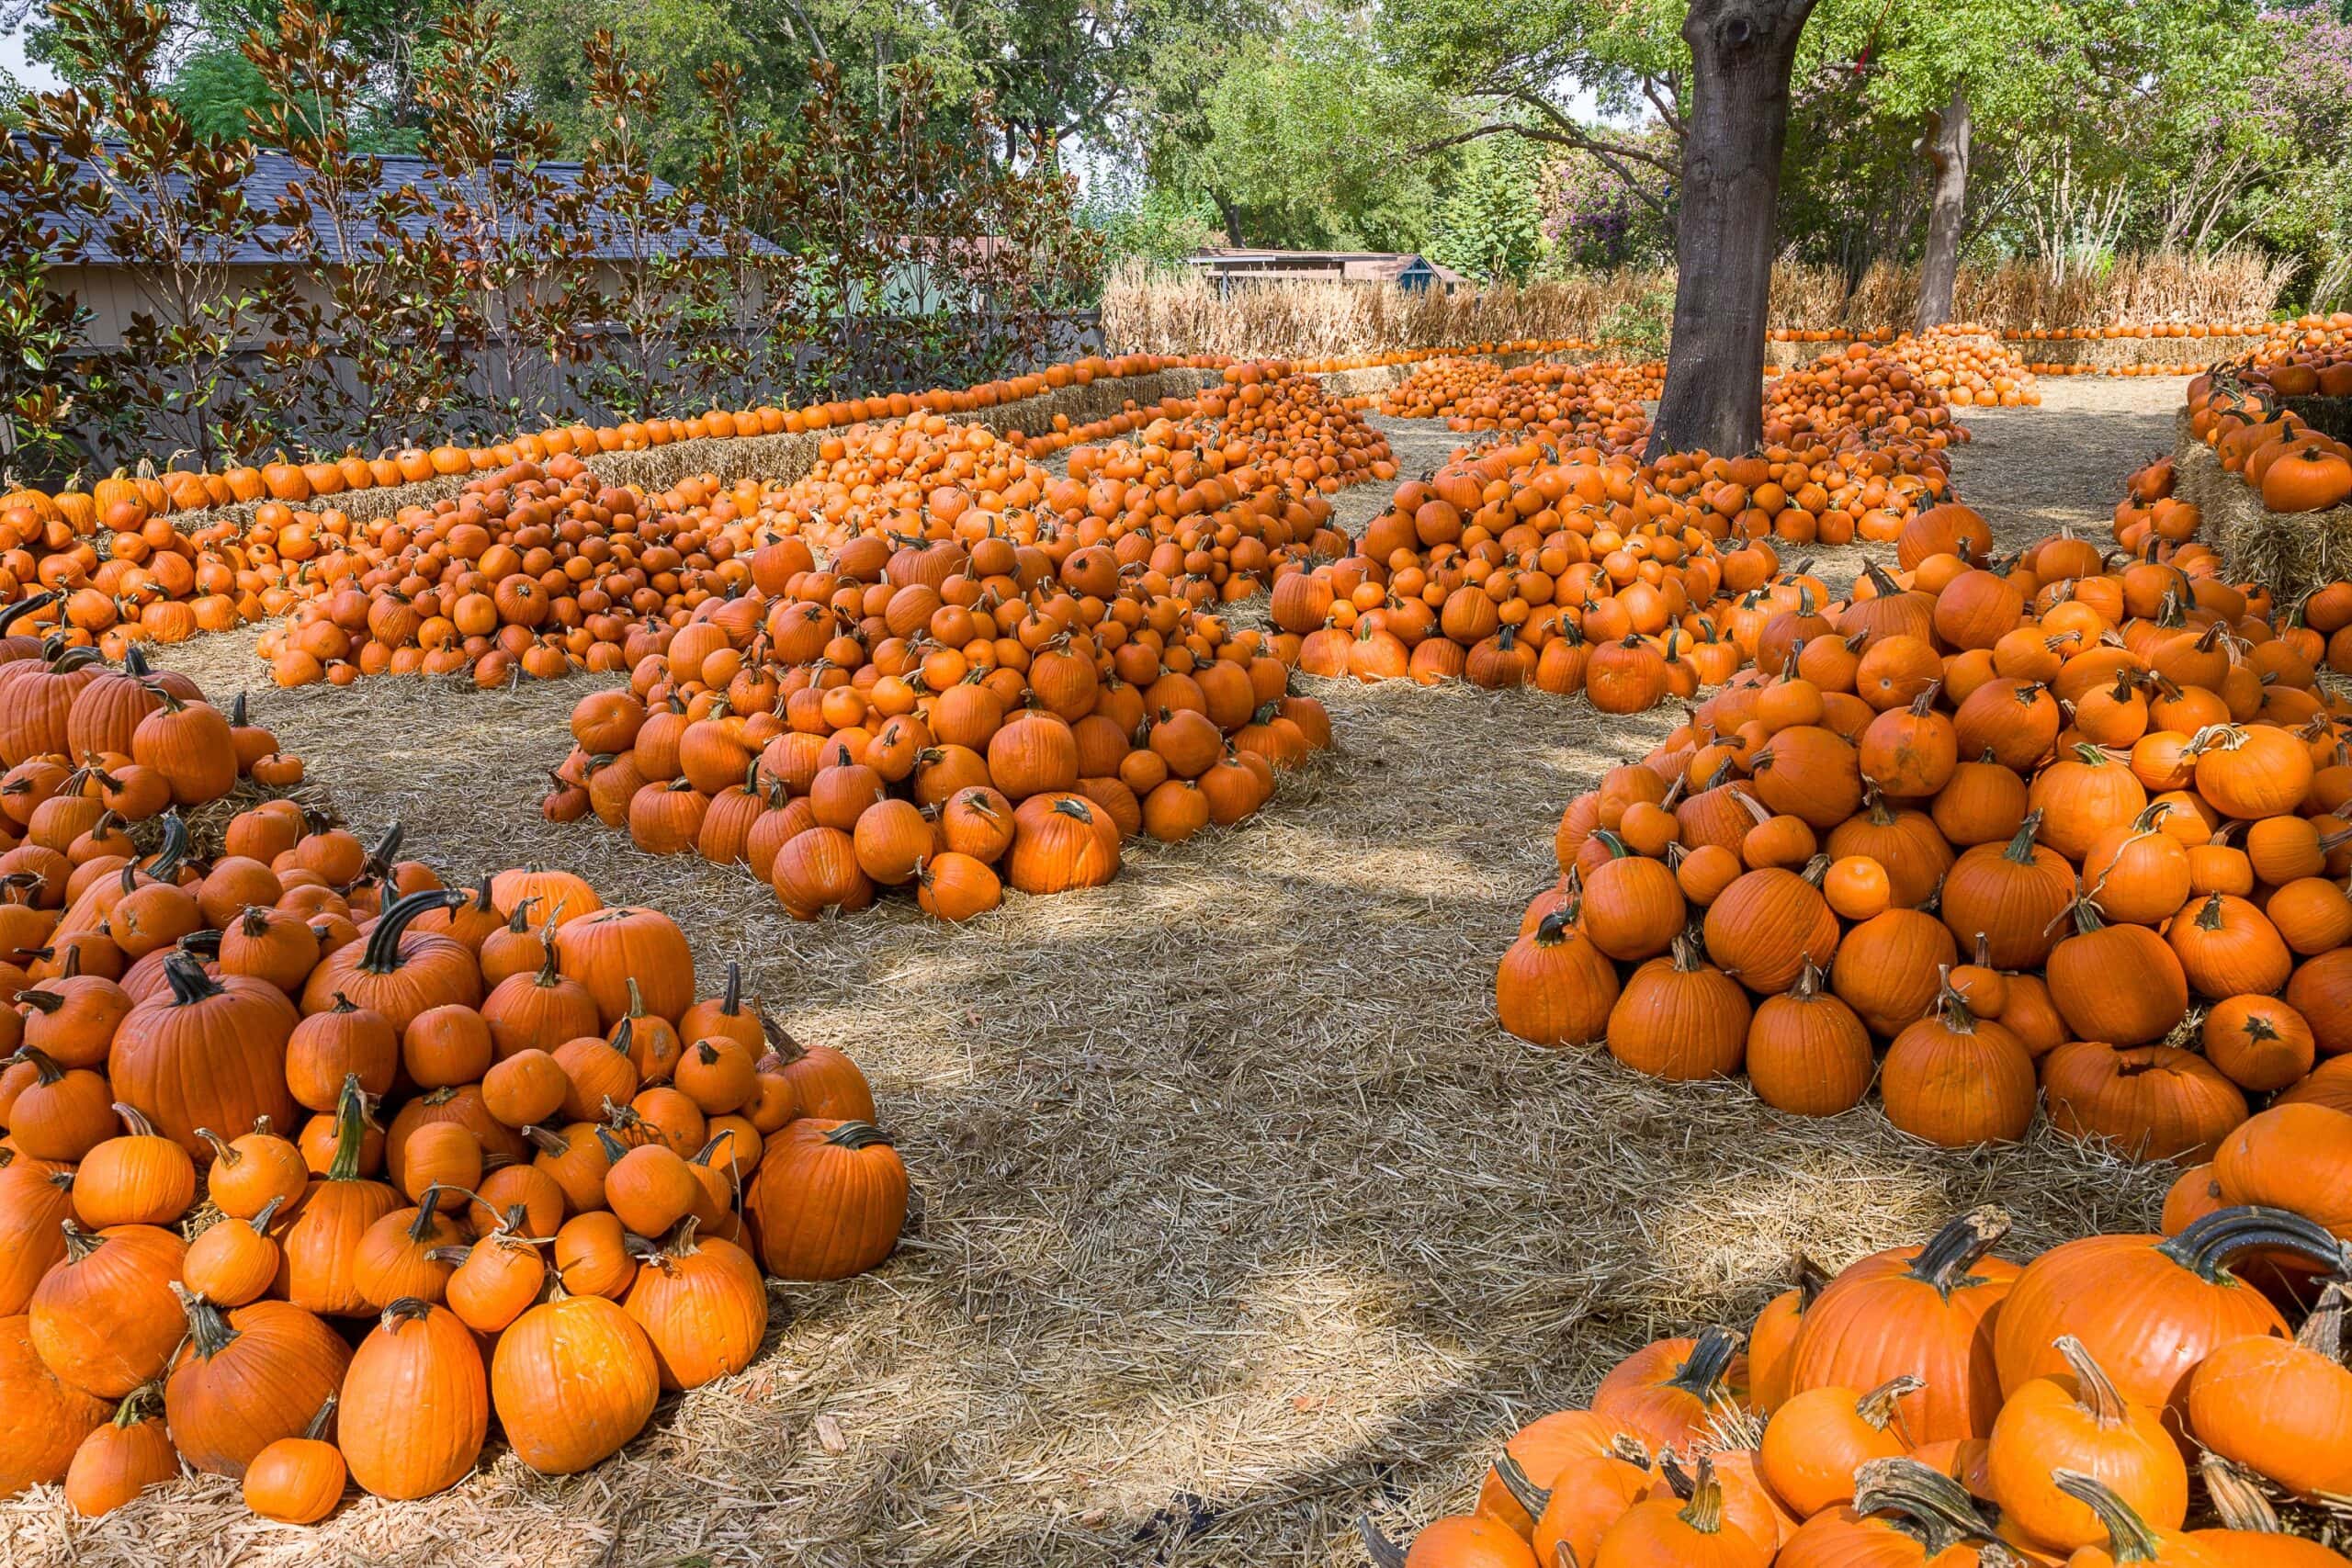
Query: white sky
x=13, y=61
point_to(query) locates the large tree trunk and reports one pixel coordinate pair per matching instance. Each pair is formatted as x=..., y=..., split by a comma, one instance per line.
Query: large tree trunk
x=1948, y=157
x=1741, y=54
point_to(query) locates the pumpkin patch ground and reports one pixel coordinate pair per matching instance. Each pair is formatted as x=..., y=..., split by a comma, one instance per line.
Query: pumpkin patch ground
x=1237, y=1214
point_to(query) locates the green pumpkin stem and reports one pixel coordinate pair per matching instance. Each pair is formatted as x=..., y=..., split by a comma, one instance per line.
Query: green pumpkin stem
x=2206, y=1245
x=1945, y=1261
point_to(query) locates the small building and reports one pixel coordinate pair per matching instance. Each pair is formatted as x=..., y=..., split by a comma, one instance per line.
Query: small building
x=1229, y=267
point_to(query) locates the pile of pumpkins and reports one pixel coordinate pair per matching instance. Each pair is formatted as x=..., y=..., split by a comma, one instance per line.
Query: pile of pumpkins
x=947, y=711
x=539, y=569
x=130, y=575
x=1967, y=367
x=2010, y=821
x=1595, y=404
x=2238, y=412
x=94, y=754
x=354, y=1166
x=1586, y=570
x=1941, y=1404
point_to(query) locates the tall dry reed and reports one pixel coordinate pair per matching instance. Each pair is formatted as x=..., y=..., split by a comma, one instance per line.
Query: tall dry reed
x=1150, y=311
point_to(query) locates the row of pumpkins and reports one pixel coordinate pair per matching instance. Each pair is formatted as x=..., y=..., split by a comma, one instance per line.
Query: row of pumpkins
x=1586, y=570
x=130, y=575
x=2239, y=410
x=313, y=1165
x=2012, y=822
x=540, y=568
x=1599, y=402
x=1942, y=1405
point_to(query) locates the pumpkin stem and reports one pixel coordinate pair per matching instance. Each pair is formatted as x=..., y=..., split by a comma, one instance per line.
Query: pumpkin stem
x=139, y=1405
x=80, y=1243
x=1521, y=1485
x=730, y=1003
x=2206, y=1245
x=1883, y=1406
x=378, y=863
x=1704, y=1512
x=383, y=954
x=350, y=1130
x=317, y=1430
x=2093, y=1389
x=2237, y=1498
x=864, y=1134
x=2322, y=1331
x=2128, y=1537
x=1383, y=1552
x=2021, y=850
x=1951, y=1252
x=135, y=1120
x=1929, y=1505
x=268, y=1215
x=407, y=1309
x=208, y=1326
x=43, y=1062
x=189, y=983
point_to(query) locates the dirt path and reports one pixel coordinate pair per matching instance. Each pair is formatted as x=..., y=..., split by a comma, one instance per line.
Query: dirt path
x=1238, y=1215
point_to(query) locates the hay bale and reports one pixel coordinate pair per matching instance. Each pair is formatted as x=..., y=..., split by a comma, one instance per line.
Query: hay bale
x=2292, y=553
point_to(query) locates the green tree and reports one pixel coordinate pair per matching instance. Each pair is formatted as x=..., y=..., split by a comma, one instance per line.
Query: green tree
x=1488, y=221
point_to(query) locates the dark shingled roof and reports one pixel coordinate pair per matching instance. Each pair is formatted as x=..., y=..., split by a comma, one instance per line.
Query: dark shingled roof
x=273, y=172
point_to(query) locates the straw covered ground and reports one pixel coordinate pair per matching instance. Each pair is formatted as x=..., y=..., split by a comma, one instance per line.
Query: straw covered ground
x=1238, y=1214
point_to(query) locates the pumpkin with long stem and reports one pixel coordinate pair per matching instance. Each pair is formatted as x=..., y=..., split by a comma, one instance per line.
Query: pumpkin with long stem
x=2149, y=1308
x=320, y=1248
x=1586, y=1496
x=1539, y=1451
x=539, y=1010
x=2078, y=1420
x=2250, y=1535
x=1458, y=1540
x=2129, y=1539
x=1904, y=1515
x=1671, y=1389
x=248, y=1172
x=394, y=1258
x=64, y=1114
x=246, y=1378
x=1689, y=1534
x=1919, y=1311
x=138, y=1178
x=396, y=971
x=495, y=1281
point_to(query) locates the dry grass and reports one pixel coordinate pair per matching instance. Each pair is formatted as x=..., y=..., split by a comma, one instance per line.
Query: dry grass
x=1157, y=312
x=1238, y=1213
x=2233, y=287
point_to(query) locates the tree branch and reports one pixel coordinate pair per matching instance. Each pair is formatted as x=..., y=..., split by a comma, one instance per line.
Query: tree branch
x=1567, y=133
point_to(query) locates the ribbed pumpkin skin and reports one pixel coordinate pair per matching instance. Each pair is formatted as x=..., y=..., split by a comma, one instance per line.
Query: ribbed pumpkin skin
x=33, y=1211
x=120, y=1459
x=415, y=1404
x=704, y=1310
x=1765, y=927
x=1554, y=988
x=1680, y=1022
x=605, y=950
x=572, y=1381
x=1808, y=1053
x=1879, y=1318
x=226, y=1403
x=2118, y=984
x=42, y=1420
x=1958, y=1087
x=107, y=1321
x=2153, y=1102
x=822, y=1210
x=217, y=1063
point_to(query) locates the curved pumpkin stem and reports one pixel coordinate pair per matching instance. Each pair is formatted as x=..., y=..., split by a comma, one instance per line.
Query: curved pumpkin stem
x=2093, y=1389
x=1929, y=1505
x=383, y=954
x=317, y=1430
x=208, y=1329
x=350, y=1131
x=864, y=1134
x=2205, y=1246
x=1702, y=1372
x=2322, y=1331
x=1945, y=1261
x=2128, y=1537
x=1383, y=1552
x=1704, y=1512
x=1521, y=1485
x=1883, y=1406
